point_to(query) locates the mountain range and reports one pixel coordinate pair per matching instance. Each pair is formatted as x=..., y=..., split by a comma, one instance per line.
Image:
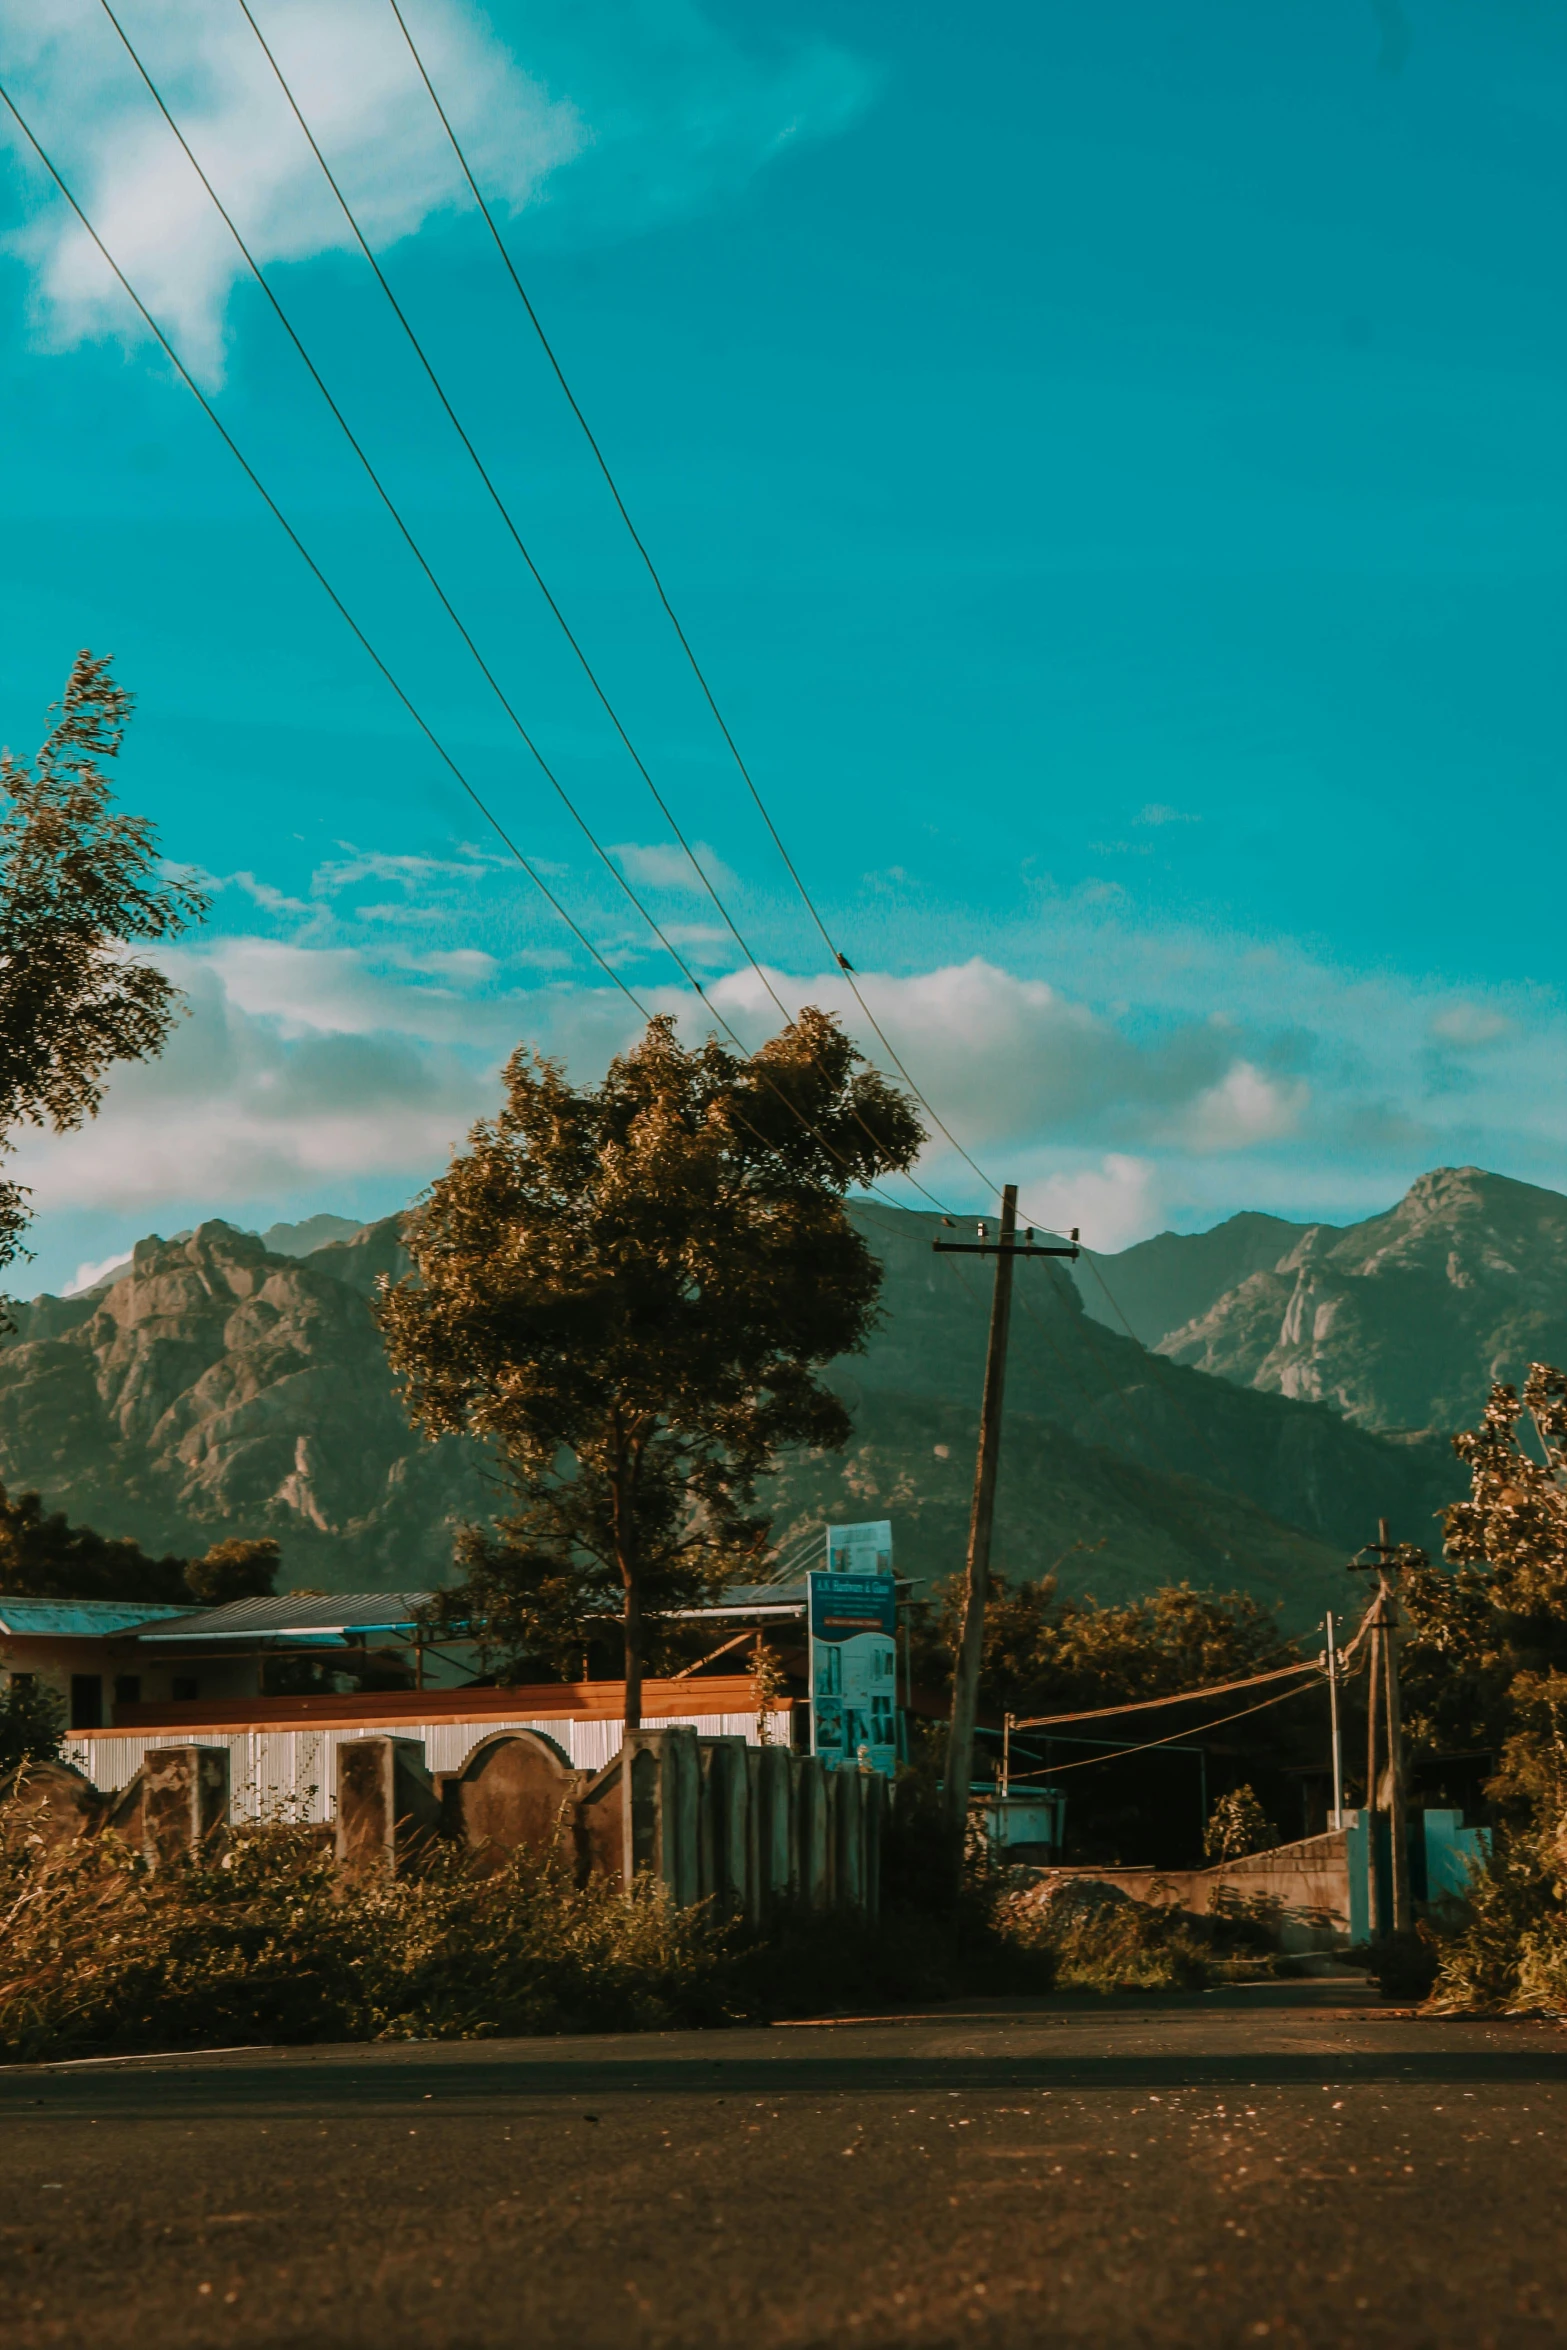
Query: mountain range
x=1286, y=1386
x=1400, y=1323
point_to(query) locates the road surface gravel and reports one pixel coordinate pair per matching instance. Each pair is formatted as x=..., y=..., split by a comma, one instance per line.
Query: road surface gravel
x=1284, y=2164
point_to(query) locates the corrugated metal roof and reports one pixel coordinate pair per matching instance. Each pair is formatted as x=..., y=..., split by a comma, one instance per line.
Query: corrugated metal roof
x=77, y=1619
x=338, y=1611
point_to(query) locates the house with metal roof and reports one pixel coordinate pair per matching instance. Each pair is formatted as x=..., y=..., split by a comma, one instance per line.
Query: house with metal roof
x=80, y=1648
x=110, y=1660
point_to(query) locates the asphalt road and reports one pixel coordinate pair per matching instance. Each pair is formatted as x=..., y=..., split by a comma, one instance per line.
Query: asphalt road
x=1290, y=2164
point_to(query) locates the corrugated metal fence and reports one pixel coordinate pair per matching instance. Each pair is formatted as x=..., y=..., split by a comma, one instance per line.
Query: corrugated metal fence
x=292, y=1774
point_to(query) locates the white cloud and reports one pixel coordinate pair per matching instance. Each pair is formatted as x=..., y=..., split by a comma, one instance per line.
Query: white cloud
x=1470, y=1027
x=665, y=865
x=410, y=872
x=335, y=991
x=1007, y=1059
x=656, y=110
x=1246, y=1107
x=465, y=965
x=244, y=1107
x=1114, y=1202
x=357, y=87
x=88, y=1276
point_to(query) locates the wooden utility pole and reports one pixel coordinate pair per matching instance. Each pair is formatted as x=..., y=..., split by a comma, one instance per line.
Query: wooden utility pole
x=1383, y=1687
x=1397, y=1807
x=976, y=1587
x=1375, y=1922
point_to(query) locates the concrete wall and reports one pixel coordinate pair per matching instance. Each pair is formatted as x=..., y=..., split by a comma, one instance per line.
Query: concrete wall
x=1317, y=1885
x=292, y=1773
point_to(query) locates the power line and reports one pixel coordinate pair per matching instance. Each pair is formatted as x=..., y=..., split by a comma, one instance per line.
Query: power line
x=703, y=877
x=501, y=506
x=315, y=569
x=507, y=518
x=1119, y=1754
x=392, y=508
x=697, y=671
x=1141, y=1705
x=359, y=634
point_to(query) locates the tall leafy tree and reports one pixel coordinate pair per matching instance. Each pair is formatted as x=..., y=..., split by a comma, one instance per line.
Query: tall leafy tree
x=80, y=885
x=629, y=1289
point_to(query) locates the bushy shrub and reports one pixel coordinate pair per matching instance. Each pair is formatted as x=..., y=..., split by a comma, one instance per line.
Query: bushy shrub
x=1509, y=1951
x=267, y=1942
x=1097, y=1938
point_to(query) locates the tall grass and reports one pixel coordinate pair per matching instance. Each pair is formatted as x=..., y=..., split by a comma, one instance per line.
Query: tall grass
x=268, y=1942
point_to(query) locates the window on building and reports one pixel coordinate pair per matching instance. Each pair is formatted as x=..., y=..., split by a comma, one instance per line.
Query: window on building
x=127, y=1688
x=186, y=1688
x=86, y=1701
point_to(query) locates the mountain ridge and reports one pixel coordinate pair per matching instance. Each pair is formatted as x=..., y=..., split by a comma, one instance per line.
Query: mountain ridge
x=1402, y=1322
x=216, y=1386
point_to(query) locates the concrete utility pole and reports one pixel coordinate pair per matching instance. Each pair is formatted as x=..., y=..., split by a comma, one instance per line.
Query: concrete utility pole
x=1384, y=1687
x=971, y=1640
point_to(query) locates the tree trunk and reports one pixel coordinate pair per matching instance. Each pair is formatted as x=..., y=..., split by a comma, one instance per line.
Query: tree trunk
x=633, y=1647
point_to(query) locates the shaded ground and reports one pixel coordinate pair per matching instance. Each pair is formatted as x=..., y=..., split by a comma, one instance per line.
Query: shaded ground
x=1290, y=2164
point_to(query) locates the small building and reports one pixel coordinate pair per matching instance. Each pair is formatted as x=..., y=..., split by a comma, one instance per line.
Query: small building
x=282, y=1682
x=84, y=1651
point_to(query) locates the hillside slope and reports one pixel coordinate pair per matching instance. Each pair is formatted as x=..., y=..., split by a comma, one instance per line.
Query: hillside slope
x=1159, y=1285
x=216, y=1387
x=1402, y=1322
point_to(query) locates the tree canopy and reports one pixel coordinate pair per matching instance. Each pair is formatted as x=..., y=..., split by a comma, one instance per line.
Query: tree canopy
x=1046, y=1650
x=43, y=1556
x=1485, y=1664
x=80, y=883
x=628, y=1289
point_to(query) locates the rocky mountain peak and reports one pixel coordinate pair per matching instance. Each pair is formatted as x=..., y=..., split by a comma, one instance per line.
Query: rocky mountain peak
x=1404, y=1321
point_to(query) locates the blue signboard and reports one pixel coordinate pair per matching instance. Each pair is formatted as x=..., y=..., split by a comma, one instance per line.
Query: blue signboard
x=854, y=1708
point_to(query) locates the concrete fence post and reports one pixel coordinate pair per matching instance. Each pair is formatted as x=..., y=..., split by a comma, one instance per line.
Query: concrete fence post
x=387, y=1805
x=725, y=1793
x=775, y=1786
x=814, y=1829
x=876, y=1800
x=662, y=1818
x=184, y=1801
x=848, y=1856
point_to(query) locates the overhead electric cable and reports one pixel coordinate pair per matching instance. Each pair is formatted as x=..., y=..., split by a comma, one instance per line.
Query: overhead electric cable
x=697, y=671
x=392, y=508
x=704, y=879
x=309, y=560
x=1119, y=1753
x=363, y=640
x=501, y=507
x=1142, y=1705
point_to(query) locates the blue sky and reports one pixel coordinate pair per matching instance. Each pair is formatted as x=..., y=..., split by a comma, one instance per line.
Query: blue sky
x=1110, y=460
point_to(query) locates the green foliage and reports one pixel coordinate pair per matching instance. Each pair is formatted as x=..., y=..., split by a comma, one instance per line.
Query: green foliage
x=42, y=1556
x=628, y=1290
x=1045, y=1652
x=265, y=1941
x=233, y=1570
x=1486, y=1666
x=78, y=885
x=1512, y=1928
x=32, y=1723
x=1237, y=1825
